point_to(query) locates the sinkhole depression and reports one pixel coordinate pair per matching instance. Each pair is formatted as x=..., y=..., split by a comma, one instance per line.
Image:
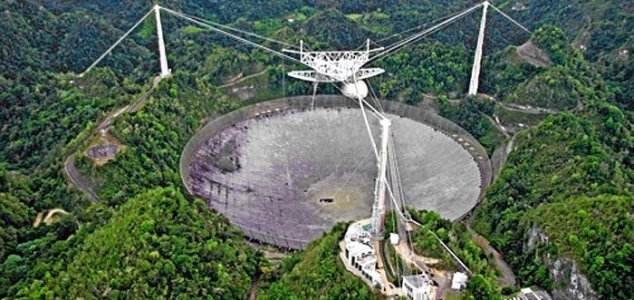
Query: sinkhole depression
x=285, y=171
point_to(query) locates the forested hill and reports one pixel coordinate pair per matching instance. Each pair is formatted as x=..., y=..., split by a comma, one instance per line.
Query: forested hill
x=158, y=245
x=317, y=272
x=602, y=30
x=564, y=200
x=562, y=205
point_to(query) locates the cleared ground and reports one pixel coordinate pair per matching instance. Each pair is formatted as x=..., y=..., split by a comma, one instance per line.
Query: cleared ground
x=293, y=174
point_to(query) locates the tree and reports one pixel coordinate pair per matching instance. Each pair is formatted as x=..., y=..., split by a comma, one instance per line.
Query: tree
x=481, y=288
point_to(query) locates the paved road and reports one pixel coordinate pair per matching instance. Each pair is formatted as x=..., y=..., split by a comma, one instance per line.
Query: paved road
x=497, y=124
x=78, y=180
x=529, y=109
x=508, y=277
x=236, y=81
x=69, y=165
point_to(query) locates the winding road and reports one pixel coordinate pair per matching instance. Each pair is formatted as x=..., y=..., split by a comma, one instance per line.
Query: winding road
x=508, y=277
x=76, y=179
x=71, y=171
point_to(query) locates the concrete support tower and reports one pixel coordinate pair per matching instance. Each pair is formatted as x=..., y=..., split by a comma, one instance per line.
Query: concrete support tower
x=378, y=210
x=165, y=71
x=475, y=71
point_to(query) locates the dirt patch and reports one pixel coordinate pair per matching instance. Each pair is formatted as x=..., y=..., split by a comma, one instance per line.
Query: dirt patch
x=102, y=151
x=103, y=148
x=52, y=216
x=533, y=55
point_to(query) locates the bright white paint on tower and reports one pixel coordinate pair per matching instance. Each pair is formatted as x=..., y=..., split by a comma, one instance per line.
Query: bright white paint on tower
x=378, y=209
x=165, y=71
x=475, y=72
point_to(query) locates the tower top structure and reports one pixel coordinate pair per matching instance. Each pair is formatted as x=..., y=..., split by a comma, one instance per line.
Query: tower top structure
x=334, y=66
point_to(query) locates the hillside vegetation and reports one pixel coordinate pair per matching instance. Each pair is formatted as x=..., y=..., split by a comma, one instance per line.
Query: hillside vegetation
x=579, y=162
x=463, y=244
x=565, y=193
x=317, y=273
x=158, y=245
x=155, y=137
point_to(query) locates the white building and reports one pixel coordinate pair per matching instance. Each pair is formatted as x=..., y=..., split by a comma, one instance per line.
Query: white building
x=361, y=255
x=394, y=238
x=459, y=281
x=418, y=287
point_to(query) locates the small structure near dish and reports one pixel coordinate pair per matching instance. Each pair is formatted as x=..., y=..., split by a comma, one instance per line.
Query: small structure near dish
x=459, y=281
x=359, y=253
x=394, y=238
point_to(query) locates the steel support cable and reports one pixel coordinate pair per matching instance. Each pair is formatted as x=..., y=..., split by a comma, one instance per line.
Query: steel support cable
x=375, y=98
x=365, y=119
x=403, y=217
x=410, y=245
x=400, y=187
x=394, y=162
x=211, y=23
x=400, y=47
x=409, y=219
x=116, y=43
x=363, y=45
x=425, y=32
x=414, y=28
x=402, y=195
x=397, y=178
x=455, y=257
x=356, y=169
x=375, y=43
x=239, y=38
x=398, y=269
x=447, y=20
x=375, y=112
x=511, y=19
x=398, y=207
x=400, y=212
x=379, y=115
x=400, y=182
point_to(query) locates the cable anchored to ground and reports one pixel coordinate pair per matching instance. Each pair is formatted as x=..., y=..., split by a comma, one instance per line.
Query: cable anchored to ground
x=116, y=43
x=233, y=36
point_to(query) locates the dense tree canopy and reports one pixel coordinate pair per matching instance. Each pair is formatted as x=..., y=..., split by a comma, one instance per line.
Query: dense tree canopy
x=585, y=156
x=148, y=240
x=157, y=245
x=317, y=273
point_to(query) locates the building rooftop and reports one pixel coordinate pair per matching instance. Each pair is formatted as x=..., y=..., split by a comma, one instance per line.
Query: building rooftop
x=459, y=281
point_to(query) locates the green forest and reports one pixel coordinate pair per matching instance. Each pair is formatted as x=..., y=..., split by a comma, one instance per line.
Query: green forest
x=564, y=194
x=316, y=273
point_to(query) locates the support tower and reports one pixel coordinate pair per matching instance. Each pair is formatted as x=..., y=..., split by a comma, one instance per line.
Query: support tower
x=477, y=60
x=165, y=71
